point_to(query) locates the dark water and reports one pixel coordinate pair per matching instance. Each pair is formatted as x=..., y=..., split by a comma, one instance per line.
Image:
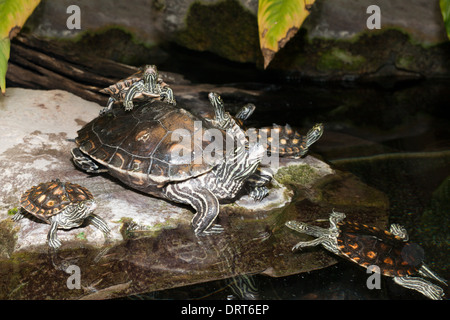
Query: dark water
x=393, y=136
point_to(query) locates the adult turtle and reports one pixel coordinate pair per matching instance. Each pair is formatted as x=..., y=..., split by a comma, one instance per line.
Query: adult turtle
x=389, y=251
x=142, y=149
x=63, y=205
x=144, y=83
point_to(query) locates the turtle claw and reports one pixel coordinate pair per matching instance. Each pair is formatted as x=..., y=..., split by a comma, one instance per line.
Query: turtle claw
x=128, y=105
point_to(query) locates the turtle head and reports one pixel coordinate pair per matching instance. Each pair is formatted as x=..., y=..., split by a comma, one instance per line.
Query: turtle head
x=314, y=134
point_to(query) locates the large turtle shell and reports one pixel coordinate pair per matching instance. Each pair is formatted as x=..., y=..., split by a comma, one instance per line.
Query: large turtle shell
x=137, y=146
x=371, y=246
x=49, y=198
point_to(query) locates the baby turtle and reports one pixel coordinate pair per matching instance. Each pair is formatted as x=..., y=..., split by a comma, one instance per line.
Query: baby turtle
x=63, y=205
x=390, y=251
x=144, y=83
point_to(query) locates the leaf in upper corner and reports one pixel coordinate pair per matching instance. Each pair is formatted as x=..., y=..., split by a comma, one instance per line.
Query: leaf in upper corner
x=278, y=22
x=13, y=14
x=445, y=9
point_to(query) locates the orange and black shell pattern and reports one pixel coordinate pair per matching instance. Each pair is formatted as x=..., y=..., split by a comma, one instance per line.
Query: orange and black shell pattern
x=289, y=143
x=49, y=198
x=368, y=246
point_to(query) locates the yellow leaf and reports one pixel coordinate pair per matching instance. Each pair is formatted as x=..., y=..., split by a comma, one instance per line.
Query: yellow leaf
x=278, y=22
x=13, y=14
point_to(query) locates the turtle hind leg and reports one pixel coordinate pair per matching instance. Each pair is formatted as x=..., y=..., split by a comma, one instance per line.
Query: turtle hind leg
x=108, y=107
x=425, y=271
x=203, y=201
x=423, y=286
x=20, y=214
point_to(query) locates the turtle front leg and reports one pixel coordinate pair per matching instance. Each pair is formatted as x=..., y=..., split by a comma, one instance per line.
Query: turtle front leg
x=134, y=90
x=203, y=201
x=426, y=288
x=301, y=227
x=167, y=95
x=52, y=236
x=99, y=223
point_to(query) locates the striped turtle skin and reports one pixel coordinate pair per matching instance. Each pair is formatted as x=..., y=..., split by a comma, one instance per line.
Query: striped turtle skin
x=63, y=205
x=144, y=83
x=387, y=252
x=141, y=147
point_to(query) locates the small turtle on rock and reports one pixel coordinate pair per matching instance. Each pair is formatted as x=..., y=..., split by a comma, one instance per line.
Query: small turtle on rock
x=390, y=251
x=144, y=83
x=63, y=205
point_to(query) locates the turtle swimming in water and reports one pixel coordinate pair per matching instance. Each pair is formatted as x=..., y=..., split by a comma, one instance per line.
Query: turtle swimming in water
x=367, y=246
x=144, y=83
x=63, y=205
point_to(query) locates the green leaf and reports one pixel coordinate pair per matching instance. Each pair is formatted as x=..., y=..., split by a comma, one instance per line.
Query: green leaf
x=278, y=22
x=445, y=9
x=4, y=57
x=13, y=14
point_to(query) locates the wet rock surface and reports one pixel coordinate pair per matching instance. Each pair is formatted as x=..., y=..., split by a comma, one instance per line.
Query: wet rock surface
x=152, y=246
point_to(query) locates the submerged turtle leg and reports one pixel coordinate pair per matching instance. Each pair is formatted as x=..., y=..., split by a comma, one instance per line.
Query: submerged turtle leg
x=399, y=231
x=425, y=287
x=85, y=163
x=203, y=201
x=425, y=271
x=52, y=237
x=312, y=243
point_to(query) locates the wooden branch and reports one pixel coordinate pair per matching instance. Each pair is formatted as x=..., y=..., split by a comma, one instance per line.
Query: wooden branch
x=39, y=64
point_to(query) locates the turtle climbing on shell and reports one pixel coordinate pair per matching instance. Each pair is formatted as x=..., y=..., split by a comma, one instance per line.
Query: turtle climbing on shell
x=142, y=149
x=63, y=205
x=277, y=141
x=144, y=83
x=367, y=246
